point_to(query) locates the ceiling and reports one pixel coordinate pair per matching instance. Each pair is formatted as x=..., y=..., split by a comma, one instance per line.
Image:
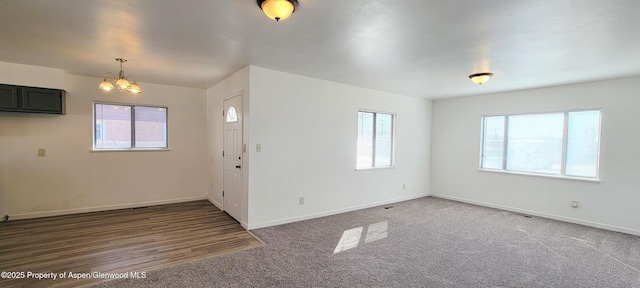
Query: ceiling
x=421, y=48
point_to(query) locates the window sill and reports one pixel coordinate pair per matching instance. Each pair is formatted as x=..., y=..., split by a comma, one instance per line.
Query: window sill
x=131, y=150
x=375, y=168
x=593, y=180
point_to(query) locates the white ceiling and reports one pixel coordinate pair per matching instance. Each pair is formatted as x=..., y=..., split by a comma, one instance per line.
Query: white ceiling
x=422, y=48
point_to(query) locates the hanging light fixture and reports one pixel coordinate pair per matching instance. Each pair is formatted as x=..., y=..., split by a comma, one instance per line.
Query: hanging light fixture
x=480, y=78
x=278, y=9
x=121, y=81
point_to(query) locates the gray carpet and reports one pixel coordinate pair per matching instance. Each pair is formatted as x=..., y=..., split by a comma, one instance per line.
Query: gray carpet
x=428, y=242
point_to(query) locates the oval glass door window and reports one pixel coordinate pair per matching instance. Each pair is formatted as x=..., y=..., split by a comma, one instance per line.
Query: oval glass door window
x=232, y=116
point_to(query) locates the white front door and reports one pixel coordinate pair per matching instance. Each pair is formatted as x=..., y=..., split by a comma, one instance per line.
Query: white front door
x=232, y=195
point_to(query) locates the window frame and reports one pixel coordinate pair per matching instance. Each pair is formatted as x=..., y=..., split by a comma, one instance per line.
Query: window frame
x=565, y=137
x=373, y=146
x=132, y=123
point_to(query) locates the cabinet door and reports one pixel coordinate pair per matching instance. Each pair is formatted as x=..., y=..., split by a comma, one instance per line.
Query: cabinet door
x=9, y=97
x=42, y=100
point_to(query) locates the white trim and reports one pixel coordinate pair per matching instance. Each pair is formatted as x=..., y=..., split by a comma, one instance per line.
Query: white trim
x=546, y=112
x=100, y=208
x=376, y=168
x=130, y=150
x=129, y=104
x=375, y=111
x=215, y=203
x=333, y=212
x=234, y=94
x=543, y=215
x=564, y=177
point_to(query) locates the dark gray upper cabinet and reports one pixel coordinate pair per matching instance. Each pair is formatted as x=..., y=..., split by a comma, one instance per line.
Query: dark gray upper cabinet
x=9, y=97
x=31, y=99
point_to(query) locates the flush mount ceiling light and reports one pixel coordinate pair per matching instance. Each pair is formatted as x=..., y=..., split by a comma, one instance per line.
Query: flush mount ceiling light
x=121, y=82
x=480, y=78
x=278, y=9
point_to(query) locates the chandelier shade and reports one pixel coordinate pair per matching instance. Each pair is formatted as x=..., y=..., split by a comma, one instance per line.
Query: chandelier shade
x=278, y=9
x=106, y=85
x=480, y=78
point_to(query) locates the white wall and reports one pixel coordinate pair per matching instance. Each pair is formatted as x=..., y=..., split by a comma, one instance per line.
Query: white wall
x=73, y=179
x=28, y=75
x=232, y=85
x=307, y=128
x=614, y=203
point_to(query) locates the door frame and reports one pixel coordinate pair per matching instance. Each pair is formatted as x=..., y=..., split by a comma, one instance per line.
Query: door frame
x=243, y=152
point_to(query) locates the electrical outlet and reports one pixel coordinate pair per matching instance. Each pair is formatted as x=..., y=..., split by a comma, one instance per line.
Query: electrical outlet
x=42, y=152
x=575, y=204
x=404, y=186
x=301, y=200
x=258, y=147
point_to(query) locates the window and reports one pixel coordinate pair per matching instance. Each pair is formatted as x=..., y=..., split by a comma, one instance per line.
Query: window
x=122, y=126
x=375, y=139
x=563, y=143
x=232, y=116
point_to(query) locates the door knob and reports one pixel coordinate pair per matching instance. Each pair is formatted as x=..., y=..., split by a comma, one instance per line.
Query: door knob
x=238, y=166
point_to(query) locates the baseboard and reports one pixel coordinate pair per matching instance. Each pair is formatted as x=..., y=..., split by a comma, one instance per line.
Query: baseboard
x=219, y=205
x=100, y=208
x=332, y=212
x=215, y=203
x=543, y=215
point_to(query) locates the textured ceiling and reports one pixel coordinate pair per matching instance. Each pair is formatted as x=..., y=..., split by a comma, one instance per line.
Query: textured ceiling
x=413, y=47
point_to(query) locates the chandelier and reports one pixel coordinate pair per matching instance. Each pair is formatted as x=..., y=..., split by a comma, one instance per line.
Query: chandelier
x=121, y=81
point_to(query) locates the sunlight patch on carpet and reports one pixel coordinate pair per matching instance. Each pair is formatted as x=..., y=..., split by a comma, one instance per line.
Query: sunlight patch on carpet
x=351, y=238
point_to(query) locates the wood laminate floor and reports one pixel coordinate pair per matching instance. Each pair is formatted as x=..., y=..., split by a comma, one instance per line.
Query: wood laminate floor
x=118, y=241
